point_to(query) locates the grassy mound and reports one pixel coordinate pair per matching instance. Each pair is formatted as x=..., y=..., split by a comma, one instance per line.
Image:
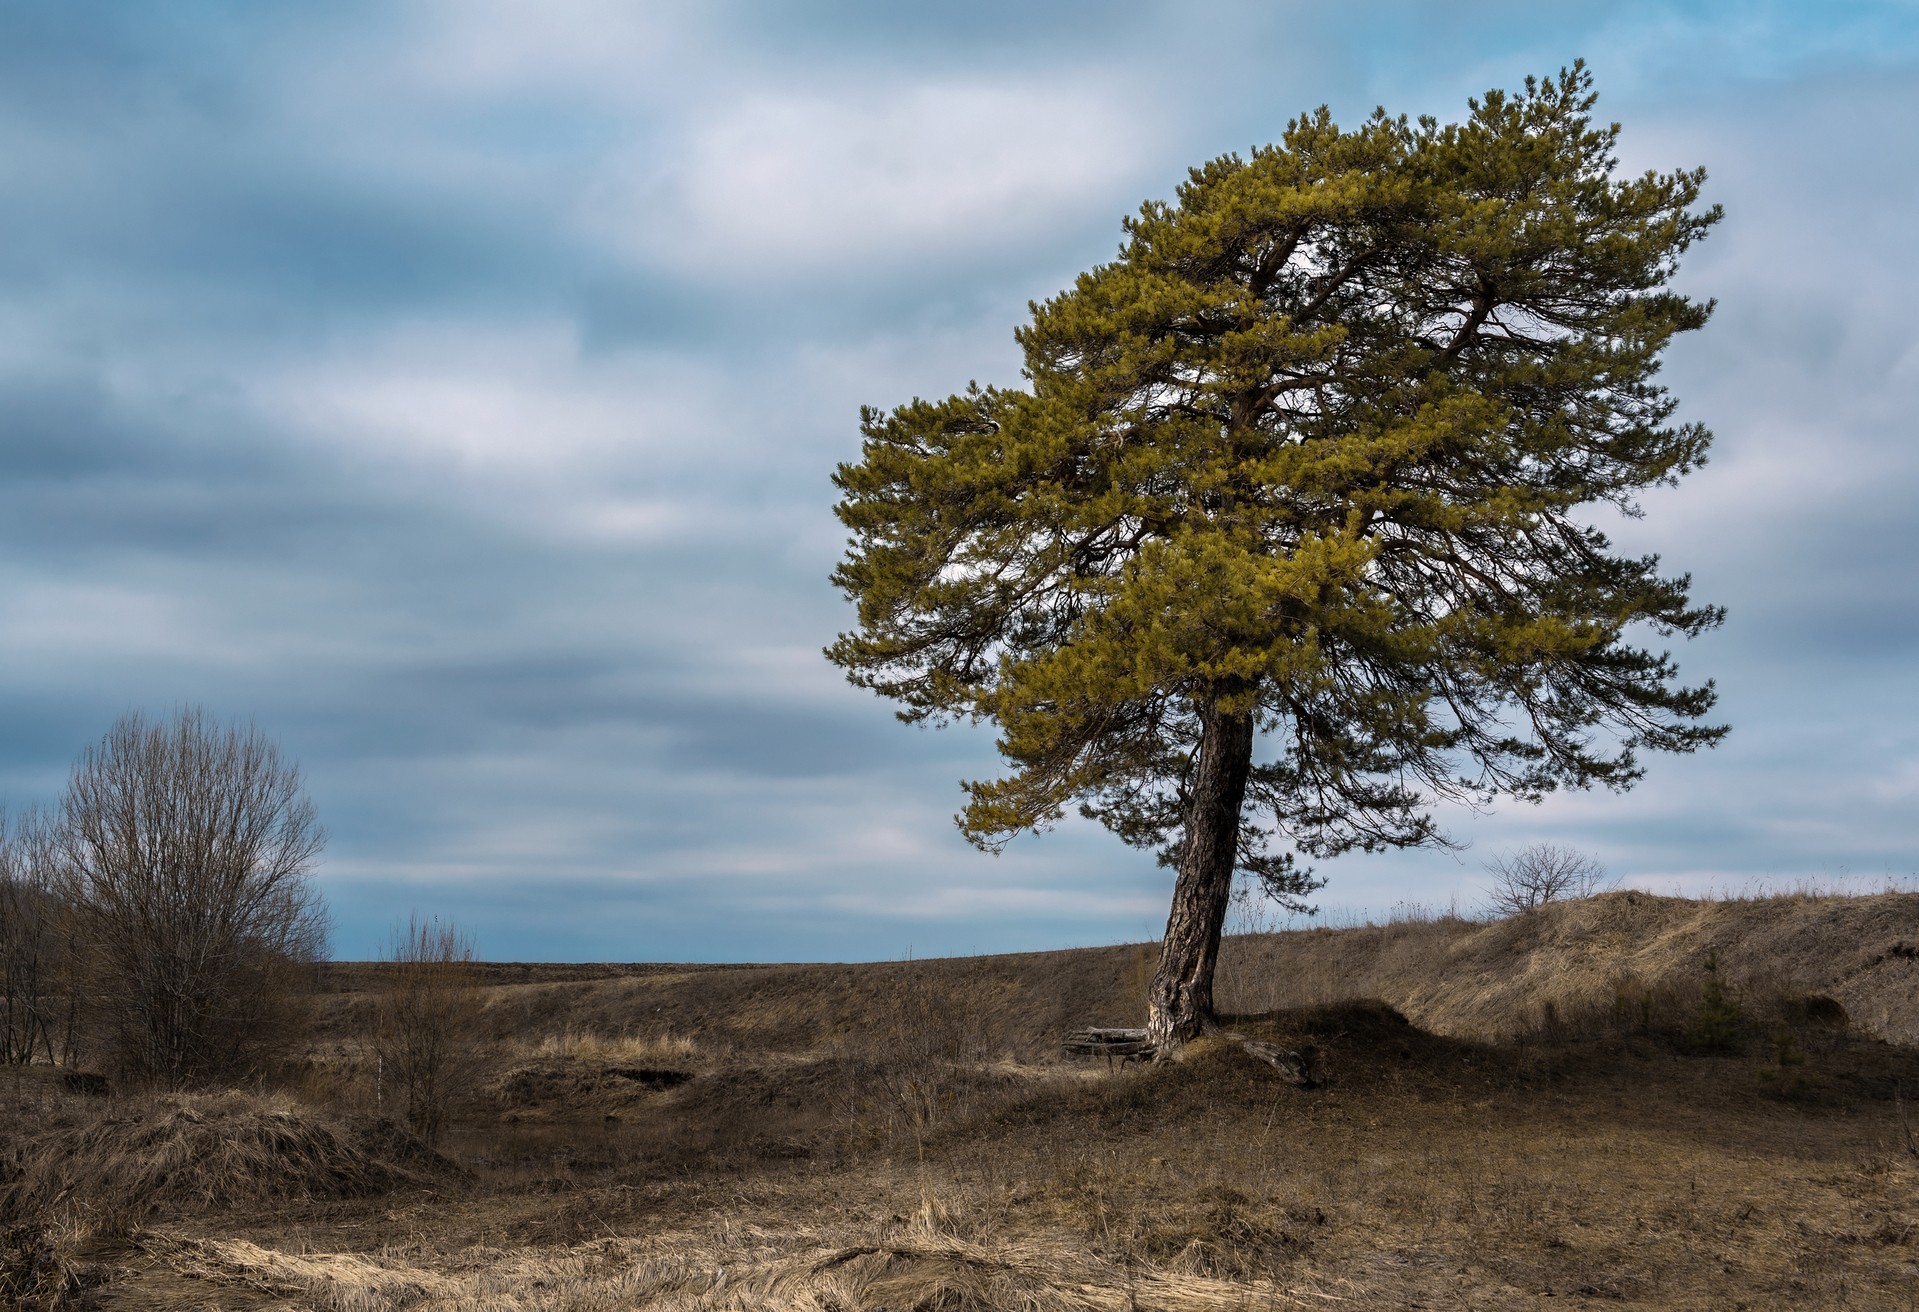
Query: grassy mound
x=560, y=1087
x=180, y=1154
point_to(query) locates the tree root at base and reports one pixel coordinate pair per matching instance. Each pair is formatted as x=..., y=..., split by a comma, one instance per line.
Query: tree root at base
x=1129, y=1045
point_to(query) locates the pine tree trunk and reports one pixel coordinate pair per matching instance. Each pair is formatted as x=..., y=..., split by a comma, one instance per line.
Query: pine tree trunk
x=1180, y=1003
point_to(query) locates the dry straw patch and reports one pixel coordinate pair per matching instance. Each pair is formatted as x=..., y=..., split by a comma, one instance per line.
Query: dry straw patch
x=631, y=1049
x=335, y=1282
x=183, y=1153
x=924, y=1269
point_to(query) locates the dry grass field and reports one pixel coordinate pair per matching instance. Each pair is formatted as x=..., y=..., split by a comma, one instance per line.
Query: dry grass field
x=1626, y=1101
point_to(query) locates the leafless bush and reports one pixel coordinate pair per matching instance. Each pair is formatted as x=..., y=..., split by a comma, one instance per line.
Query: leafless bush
x=38, y=969
x=929, y=1044
x=1542, y=873
x=425, y=1018
x=184, y=848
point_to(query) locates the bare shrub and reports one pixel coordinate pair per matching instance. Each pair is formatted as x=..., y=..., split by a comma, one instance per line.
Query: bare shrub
x=1542, y=873
x=929, y=1043
x=39, y=974
x=185, y=847
x=425, y=1016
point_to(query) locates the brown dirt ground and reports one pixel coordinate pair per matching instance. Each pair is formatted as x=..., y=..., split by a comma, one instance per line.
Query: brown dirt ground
x=1535, y=1116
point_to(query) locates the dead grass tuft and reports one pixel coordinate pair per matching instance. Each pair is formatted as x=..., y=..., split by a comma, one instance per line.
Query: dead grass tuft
x=626, y=1049
x=1222, y=1233
x=36, y=1275
x=180, y=1154
x=561, y=1088
x=919, y=1271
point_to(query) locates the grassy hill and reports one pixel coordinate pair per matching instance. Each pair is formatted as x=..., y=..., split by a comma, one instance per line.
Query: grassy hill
x=1629, y=1099
x=1598, y=963
x=1498, y=980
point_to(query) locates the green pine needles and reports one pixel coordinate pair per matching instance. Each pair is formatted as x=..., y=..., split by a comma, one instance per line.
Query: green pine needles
x=1291, y=518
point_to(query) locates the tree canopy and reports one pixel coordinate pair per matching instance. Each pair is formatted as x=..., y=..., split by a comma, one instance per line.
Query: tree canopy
x=1292, y=518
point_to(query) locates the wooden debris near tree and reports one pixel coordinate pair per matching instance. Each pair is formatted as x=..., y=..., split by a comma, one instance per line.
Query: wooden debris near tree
x=1126, y=1045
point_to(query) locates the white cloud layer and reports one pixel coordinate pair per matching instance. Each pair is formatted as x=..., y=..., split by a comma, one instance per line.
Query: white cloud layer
x=800, y=183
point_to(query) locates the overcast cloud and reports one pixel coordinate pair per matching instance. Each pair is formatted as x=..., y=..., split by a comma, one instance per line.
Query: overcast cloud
x=452, y=389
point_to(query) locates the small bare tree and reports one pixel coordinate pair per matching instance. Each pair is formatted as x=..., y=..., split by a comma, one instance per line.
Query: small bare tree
x=38, y=975
x=184, y=847
x=1542, y=873
x=424, y=1017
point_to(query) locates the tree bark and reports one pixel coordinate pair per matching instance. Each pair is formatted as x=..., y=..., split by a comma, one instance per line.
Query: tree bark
x=1180, y=1002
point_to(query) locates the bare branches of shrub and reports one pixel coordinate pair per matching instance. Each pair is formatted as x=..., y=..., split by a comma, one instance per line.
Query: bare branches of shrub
x=424, y=1019
x=1542, y=873
x=184, y=847
x=39, y=968
x=927, y=1044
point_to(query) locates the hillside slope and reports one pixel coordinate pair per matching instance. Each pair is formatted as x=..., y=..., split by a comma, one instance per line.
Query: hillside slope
x=1569, y=963
x=1587, y=960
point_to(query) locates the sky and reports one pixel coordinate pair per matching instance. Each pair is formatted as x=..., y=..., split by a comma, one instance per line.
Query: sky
x=451, y=388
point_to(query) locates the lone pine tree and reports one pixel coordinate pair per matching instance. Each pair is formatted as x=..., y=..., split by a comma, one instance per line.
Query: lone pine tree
x=1287, y=538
